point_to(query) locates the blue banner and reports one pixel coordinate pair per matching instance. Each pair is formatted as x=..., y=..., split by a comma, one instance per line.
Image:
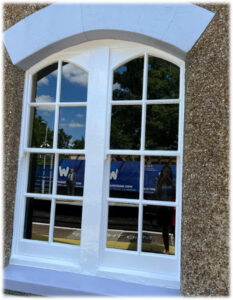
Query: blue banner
x=124, y=175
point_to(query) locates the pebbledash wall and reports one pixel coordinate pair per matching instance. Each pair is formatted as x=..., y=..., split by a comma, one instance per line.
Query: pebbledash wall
x=205, y=208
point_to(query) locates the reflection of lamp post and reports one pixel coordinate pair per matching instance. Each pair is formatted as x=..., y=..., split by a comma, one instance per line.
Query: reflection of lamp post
x=42, y=146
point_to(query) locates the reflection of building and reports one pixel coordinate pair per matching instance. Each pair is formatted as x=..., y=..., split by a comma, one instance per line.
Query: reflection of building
x=205, y=168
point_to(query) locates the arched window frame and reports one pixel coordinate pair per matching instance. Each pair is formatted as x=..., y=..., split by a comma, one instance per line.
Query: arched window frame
x=23, y=161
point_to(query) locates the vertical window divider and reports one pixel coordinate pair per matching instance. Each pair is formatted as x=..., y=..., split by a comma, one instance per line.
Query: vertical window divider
x=58, y=93
x=141, y=190
x=28, y=109
x=53, y=201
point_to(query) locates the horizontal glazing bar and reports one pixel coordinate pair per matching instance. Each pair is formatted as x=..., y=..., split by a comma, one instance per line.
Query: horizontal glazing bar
x=162, y=101
x=72, y=104
x=59, y=151
x=144, y=152
x=126, y=102
x=50, y=196
x=159, y=203
x=123, y=200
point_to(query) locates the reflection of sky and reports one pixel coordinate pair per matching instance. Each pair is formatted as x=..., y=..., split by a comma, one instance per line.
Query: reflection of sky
x=74, y=84
x=46, y=88
x=47, y=115
x=73, y=120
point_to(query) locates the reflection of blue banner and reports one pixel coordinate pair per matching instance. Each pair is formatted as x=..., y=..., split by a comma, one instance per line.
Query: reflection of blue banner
x=63, y=170
x=124, y=176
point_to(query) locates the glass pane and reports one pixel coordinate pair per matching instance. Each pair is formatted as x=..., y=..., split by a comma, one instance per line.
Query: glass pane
x=158, y=229
x=160, y=178
x=42, y=127
x=40, y=176
x=122, y=226
x=162, y=127
x=45, y=85
x=127, y=80
x=163, y=79
x=68, y=219
x=124, y=177
x=70, y=179
x=74, y=83
x=71, y=130
x=37, y=217
x=125, y=127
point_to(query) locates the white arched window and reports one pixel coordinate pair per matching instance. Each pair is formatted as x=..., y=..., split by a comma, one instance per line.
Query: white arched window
x=113, y=112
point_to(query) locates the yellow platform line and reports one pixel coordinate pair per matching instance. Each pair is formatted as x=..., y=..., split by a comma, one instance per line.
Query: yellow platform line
x=110, y=244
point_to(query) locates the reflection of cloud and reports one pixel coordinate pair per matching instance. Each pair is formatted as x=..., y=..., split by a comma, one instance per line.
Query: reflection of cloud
x=79, y=116
x=43, y=81
x=116, y=86
x=45, y=99
x=75, y=74
x=71, y=125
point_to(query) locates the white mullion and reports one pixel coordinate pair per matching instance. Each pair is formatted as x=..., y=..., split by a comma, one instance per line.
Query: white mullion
x=140, y=208
x=55, y=173
x=52, y=220
x=28, y=111
x=58, y=94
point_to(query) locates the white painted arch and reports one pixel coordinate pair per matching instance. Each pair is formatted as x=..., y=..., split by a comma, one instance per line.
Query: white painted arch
x=171, y=27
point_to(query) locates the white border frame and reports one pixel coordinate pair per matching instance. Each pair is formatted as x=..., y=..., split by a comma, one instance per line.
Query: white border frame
x=101, y=268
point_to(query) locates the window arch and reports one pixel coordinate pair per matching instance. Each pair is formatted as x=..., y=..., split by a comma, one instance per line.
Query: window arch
x=117, y=133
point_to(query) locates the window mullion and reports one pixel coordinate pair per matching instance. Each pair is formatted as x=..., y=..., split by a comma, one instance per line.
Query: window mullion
x=58, y=93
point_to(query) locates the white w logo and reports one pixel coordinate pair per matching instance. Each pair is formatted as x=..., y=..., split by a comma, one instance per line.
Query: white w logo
x=113, y=175
x=63, y=172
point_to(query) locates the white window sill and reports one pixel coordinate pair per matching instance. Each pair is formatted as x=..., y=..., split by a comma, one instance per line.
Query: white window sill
x=47, y=282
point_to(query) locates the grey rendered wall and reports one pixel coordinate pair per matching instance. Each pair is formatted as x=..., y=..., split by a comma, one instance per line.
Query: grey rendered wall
x=205, y=223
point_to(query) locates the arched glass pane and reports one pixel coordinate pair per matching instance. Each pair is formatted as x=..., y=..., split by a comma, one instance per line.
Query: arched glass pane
x=74, y=83
x=128, y=80
x=45, y=85
x=163, y=79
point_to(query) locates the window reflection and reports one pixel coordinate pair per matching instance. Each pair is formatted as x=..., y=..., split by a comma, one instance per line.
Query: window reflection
x=158, y=229
x=42, y=127
x=74, y=83
x=71, y=130
x=125, y=127
x=122, y=226
x=68, y=219
x=71, y=169
x=162, y=127
x=37, y=217
x=45, y=85
x=40, y=176
x=127, y=81
x=124, y=176
x=163, y=79
x=160, y=178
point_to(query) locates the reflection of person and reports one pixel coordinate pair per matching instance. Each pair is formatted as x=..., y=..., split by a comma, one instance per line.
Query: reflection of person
x=70, y=181
x=165, y=191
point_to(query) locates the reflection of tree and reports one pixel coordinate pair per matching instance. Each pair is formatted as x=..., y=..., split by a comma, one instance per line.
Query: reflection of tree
x=78, y=144
x=162, y=127
x=163, y=79
x=39, y=131
x=125, y=127
x=129, y=83
x=63, y=139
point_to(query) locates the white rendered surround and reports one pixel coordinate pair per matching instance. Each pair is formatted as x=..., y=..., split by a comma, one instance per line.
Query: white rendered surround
x=173, y=28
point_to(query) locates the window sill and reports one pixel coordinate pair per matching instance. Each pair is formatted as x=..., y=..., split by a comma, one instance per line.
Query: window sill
x=47, y=282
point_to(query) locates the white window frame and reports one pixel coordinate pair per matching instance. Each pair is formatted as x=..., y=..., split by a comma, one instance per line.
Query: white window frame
x=36, y=253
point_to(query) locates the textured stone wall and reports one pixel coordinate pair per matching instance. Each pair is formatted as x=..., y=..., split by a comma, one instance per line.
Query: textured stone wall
x=205, y=223
x=13, y=93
